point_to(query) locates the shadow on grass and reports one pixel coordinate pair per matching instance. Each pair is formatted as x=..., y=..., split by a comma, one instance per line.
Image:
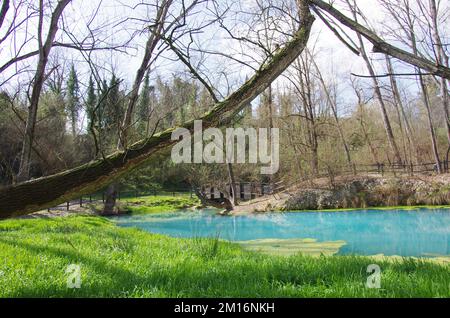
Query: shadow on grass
x=226, y=275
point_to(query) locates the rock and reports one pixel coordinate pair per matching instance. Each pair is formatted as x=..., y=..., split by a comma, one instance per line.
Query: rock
x=362, y=192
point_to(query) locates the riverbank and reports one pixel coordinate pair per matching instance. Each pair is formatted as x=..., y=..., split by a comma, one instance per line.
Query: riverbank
x=134, y=205
x=118, y=262
x=356, y=192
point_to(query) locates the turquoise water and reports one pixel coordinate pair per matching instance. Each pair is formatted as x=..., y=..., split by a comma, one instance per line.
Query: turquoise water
x=419, y=232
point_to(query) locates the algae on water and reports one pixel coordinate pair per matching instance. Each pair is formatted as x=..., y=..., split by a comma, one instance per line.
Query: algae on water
x=287, y=247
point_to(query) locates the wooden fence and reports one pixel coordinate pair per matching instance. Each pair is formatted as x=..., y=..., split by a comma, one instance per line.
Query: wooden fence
x=383, y=169
x=250, y=190
x=101, y=196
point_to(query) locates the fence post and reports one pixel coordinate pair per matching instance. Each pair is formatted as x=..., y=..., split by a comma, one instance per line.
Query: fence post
x=81, y=201
x=90, y=197
x=103, y=197
x=68, y=205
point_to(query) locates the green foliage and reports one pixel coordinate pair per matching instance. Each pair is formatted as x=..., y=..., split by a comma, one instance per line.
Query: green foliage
x=91, y=101
x=73, y=98
x=145, y=100
x=118, y=262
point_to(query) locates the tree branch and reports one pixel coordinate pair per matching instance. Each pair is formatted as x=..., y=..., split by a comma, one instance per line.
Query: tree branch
x=381, y=46
x=34, y=195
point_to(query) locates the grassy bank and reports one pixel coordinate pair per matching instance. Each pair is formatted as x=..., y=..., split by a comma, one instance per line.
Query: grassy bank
x=159, y=203
x=118, y=262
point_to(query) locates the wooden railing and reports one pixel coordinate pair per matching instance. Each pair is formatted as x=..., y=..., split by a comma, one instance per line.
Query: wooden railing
x=251, y=190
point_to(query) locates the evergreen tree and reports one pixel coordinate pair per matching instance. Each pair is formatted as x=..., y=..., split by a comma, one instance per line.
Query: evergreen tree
x=73, y=99
x=91, y=101
x=144, y=102
x=113, y=108
x=102, y=92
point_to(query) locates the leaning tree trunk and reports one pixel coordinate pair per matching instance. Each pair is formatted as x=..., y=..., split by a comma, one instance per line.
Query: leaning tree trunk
x=34, y=195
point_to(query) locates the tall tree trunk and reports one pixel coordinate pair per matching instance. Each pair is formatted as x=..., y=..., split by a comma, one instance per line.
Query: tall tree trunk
x=110, y=199
x=155, y=36
x=376, y=87
x=443, y=59
x=335, y=114
x=150, y=46
x=363, y=126
x=426, y=102
x=401, y=110
x=233, y=196
x=309, y=113
x=38, y=81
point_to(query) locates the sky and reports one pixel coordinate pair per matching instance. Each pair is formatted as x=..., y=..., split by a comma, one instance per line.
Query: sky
x=334, y=59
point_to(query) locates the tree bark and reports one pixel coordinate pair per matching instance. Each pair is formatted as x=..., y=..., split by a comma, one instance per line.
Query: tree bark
x=150, y=46
x=110, y=200
x=333, y=107
x=401, y=109
x=233, y=198
x=441, y=58
x=426, y=102
x=376, y=87
x=34, y=195
x=4, y=11
x=38, y=81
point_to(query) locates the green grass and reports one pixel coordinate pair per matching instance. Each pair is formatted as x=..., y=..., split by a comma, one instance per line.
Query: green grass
x=160, y=203
x=124, y=262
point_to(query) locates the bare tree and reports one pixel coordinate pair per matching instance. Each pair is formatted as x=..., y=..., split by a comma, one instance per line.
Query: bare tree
x=38, y=81
x=48, y=191
x=402, y=117
x=333, y=107
x=377, y=90
x=380, y=45
x=405, y=21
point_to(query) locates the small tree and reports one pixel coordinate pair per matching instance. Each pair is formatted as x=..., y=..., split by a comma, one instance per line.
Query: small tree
x=73, y=99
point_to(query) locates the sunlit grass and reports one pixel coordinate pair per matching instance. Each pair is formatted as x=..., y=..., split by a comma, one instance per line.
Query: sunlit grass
x=120, y=262
x=160, y=203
